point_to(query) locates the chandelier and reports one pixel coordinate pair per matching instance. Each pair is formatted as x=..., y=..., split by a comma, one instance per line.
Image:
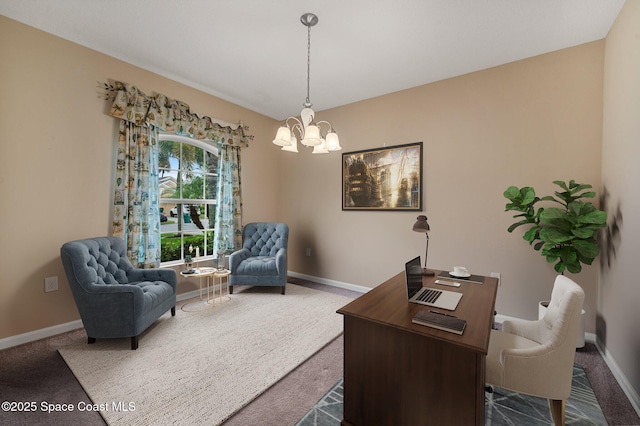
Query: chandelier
x=307, y=129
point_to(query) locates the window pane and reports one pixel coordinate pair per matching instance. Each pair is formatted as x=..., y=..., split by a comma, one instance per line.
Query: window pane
x=168, y=184
x=209, y=242
x=193, y=242
x=170, y=246
x=192, y=185
x=192, y=158
x=169, y=155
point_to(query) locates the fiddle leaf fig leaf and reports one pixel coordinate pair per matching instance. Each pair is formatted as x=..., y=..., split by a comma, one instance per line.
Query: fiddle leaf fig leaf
x=589, y=194
x=583, y=232
x=574, y=268
x=554, y=235
x=596, y=217
x=561, y=184
x=559, y=267
x=552, y=213
x=587, y=249
x=528, y=195
x=530, y=235
x=515, y=225
x=512, y=193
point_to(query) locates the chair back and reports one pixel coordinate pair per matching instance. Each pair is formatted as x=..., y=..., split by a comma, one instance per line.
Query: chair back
x=265, y=238
x=96, y=261
x=562, y=318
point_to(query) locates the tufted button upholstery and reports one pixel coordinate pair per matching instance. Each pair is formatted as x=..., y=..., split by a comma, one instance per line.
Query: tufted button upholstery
x=265, y=239
x=263, y=257
x=114, y=298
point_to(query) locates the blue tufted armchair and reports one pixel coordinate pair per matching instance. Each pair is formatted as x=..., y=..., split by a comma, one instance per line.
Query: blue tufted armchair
x=263, y=257
x=115, y=299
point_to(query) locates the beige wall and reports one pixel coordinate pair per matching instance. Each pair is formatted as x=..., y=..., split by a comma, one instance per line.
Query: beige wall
x=519, y=124
x=57, y=147
x=619, y=290
x=524, y=123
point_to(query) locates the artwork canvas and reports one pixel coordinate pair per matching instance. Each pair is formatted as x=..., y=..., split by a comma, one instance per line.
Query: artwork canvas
x=388, y=178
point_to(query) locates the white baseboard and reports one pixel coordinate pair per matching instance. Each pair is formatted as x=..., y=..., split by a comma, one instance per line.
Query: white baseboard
x=32, y=336
x=340, y=284
x=628, y=390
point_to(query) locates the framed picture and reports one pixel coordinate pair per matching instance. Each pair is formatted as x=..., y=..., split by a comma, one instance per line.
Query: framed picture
x=388, y=178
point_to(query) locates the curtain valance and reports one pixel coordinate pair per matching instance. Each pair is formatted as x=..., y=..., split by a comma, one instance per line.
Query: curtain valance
x=170, y=115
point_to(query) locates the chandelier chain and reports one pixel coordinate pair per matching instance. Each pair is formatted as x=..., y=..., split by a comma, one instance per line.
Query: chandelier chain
x=308, y=102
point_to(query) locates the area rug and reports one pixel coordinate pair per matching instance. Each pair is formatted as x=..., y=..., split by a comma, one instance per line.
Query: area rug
x=502, y=407
x=202, y=367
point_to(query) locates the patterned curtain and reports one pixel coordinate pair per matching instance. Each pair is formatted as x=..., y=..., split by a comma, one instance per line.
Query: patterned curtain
x=136, y=212
x=228, y=229
x=170, y=115
x=136, y=205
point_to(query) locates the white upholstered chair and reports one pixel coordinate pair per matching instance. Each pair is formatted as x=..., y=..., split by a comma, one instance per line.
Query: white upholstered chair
x=536, y=357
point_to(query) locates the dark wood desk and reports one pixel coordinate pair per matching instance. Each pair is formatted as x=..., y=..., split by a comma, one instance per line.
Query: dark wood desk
x=400, y=373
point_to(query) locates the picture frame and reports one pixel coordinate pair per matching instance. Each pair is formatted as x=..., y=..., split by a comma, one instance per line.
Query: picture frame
x=383, y=179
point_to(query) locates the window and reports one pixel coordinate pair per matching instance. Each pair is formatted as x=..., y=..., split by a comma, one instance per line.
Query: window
x=187, y=181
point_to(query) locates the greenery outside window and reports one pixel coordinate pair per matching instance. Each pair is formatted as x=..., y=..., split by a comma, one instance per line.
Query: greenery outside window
x=187, y=181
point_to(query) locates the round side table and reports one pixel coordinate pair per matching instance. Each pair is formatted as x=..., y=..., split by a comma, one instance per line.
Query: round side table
x=201, y=273
x=221, y=277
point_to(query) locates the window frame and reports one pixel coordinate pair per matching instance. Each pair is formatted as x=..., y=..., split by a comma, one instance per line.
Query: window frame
x=210, y=148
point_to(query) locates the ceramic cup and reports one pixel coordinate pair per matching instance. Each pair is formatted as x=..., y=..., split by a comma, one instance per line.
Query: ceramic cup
x=460, y=270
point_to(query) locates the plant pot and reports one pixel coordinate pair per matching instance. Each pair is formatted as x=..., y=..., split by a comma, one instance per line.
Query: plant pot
x=542, y=308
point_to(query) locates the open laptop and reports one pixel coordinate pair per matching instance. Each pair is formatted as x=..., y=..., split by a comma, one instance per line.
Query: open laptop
x=425, y=295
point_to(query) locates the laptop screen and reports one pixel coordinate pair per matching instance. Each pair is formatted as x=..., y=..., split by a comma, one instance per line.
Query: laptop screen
x=413, y=276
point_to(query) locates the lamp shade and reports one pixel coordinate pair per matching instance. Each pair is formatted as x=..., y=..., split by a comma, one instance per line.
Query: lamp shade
x=320, y=149
x=283, y=137
x=332, y=142
x=311, y=136
x=293, y=147
x=421, y=224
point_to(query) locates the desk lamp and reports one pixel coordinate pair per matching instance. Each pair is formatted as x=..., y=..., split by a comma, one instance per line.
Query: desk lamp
x=422, y=226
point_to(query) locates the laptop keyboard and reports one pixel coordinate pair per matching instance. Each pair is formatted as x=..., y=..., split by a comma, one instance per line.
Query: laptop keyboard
x=429, y=296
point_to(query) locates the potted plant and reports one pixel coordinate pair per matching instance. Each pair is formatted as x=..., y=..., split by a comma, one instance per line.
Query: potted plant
x=566, y=234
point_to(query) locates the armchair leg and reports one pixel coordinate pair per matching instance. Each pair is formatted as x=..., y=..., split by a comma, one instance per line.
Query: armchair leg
x=557, y=411
x=91, y=340
x=230, y=289
x=173, y=311
x=282, y=290
x=134, y=343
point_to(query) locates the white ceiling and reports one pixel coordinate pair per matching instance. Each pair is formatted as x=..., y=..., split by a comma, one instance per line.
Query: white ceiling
x=254, y=52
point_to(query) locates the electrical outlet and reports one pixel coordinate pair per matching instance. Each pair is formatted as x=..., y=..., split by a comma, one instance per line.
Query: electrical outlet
x=497, y=275
x=308, y=251
x=50, y=284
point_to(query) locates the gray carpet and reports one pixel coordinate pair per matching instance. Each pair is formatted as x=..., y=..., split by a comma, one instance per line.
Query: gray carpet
x=36, y=372
x=502, y=407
